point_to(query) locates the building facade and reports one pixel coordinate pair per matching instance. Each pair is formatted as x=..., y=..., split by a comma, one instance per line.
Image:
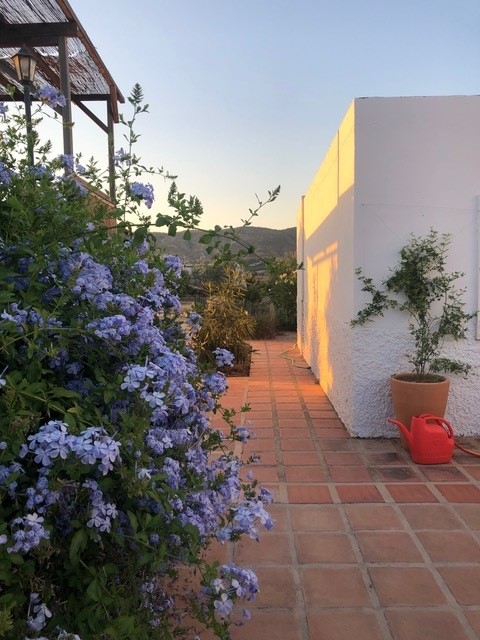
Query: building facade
x=396, y=166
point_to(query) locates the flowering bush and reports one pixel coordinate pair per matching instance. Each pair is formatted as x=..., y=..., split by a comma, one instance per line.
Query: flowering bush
x=109, y=489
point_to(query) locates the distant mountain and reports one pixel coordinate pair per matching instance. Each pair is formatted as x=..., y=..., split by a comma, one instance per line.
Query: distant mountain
x=267, y=243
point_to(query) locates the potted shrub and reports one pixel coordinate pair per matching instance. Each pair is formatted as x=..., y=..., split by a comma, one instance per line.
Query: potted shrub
x=421, y=286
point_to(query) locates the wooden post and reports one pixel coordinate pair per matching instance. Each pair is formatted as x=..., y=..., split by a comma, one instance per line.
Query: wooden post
x=65, y=88
x=111, y=152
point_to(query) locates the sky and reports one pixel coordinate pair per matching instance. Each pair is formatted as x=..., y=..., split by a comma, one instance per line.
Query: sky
x=245, y=96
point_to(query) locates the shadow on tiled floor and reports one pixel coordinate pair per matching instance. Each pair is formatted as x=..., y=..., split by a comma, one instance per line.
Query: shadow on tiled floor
x=367, y=544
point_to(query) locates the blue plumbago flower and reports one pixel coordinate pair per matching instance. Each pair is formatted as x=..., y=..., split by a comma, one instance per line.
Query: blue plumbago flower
x=194, y=322
x=197, y=458
x=51, y=97
x=216, y=383
x=144, y=473
x=111, y=328
x=24, y=263
x=52, y=441
x=3, y=382
x=143, y=192
x=6, y=174
x=3, y=109
x=27, y=533
x=3, y=539
x=39, y=171
x=121, y=156
x=92, y=278
x=59, y=360
x=95, y=445
x=136, y=375
x=223, y=357
x=155, y=600
x=102, y=512
x=174, y=264
x=67, y=161
x=74, y=368
x=159, y=440
x=223, y=605
x=243, y=434
x=143, y=247
x=243, y=582
x=248, y=514
x=41, y=497
x=126, y=305
x=172, y=471
x=40, y=611
x=142, y=267
x=5, y=475
x=156, y=399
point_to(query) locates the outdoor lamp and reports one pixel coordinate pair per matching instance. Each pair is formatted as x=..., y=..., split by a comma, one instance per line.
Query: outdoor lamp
x=25, y=65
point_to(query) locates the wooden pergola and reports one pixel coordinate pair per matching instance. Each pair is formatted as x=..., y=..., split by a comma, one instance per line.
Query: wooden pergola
x=66, y=59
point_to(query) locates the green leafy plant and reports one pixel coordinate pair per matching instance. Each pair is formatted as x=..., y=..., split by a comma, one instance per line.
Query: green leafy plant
x=226, y=323
x=421, y=286
x=282, y=289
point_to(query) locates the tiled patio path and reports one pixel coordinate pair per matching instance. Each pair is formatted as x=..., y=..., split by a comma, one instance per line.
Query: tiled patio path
x=367, y=544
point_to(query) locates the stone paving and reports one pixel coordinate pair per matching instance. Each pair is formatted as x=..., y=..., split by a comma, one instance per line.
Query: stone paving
x=367, y=544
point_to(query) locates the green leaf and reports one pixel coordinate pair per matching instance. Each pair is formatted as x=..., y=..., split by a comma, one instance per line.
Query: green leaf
x=16, y=559
x=79, y=542
x=145, y=558
x=70, y=419
x=76, y=409
x=94, y=591
x=133, y=520
x=61, y=392
x=187, y=235
x=121, y=627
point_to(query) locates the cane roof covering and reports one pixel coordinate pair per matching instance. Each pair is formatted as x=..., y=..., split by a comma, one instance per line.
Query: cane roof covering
x=39, y=24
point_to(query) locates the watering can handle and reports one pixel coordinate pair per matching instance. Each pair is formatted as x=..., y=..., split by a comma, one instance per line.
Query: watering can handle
x=440, y=421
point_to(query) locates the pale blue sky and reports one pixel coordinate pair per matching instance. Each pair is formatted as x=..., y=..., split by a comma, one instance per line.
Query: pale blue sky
x=247, y=95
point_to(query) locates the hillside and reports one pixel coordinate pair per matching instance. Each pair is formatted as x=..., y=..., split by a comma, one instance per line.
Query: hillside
x=267, y=243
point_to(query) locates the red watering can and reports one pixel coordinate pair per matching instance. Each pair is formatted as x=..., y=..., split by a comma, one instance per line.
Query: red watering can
x=430, y=439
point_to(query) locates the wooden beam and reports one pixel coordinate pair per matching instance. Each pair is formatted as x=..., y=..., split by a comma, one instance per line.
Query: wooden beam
x=91, y=97
x=36, y=34
x=90, y=114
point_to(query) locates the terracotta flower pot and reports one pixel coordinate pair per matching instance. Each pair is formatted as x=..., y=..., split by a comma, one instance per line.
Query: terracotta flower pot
x=412, y=398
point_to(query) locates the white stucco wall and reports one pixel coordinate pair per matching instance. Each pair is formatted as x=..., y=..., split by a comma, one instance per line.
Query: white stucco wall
x=325, y=232
x=414, y=163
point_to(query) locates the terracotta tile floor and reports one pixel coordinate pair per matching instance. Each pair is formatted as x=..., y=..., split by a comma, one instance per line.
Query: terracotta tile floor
x=367, y=544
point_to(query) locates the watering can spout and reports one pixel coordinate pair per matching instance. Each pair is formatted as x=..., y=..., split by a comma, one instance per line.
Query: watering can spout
x=403, y=429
